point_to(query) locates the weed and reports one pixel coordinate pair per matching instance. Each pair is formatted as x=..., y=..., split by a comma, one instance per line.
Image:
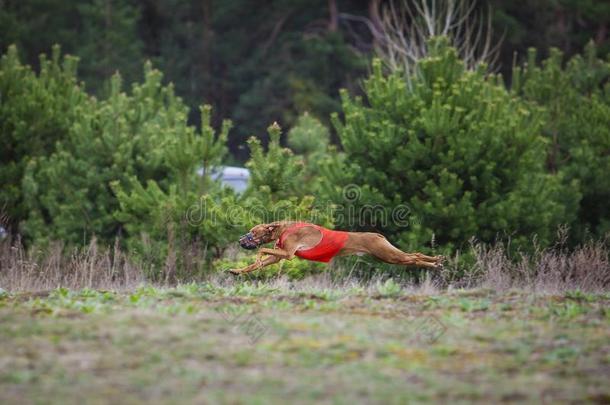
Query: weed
x=389, y=288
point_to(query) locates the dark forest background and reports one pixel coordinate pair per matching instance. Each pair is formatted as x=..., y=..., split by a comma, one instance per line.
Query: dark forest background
x=257, y=62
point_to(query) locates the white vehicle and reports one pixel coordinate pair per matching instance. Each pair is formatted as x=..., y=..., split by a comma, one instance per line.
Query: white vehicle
x=231, y=176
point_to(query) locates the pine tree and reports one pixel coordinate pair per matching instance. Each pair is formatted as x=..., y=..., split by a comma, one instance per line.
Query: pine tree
x=309, y=136
x=68, y=193
x=276, y=172
x=36, y=112
x=310, y=139
x=576, y=108
x=189, y=209
x=457, y=153
x=109, y=42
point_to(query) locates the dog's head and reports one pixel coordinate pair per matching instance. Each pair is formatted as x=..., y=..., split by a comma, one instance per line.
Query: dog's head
x=259, y=235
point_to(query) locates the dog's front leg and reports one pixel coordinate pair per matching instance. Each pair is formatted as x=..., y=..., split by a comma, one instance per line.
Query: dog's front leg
x=282, y=254
x=276, y=252
x=259, y=263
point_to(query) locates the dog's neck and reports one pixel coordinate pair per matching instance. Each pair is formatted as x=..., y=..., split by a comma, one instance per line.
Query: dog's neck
x=279, y=229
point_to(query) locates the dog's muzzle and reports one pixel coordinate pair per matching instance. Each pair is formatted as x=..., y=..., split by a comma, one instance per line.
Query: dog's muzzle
x=248, y=241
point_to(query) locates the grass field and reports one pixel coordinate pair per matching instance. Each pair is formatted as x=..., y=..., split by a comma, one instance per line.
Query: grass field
x=247, y=343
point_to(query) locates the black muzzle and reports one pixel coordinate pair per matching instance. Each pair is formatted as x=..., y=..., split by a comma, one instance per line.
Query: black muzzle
x=248, y=241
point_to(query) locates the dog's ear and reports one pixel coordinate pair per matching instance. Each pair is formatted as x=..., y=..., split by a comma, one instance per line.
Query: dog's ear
x=271, y=227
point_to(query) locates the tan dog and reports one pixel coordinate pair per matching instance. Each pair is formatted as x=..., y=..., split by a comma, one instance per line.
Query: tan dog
x=313, y=242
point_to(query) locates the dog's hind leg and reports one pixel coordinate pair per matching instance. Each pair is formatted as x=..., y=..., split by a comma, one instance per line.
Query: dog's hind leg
x=406, y=259
x=378, y=246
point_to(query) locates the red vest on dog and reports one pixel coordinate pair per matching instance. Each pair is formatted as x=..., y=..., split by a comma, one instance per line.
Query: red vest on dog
x=328, y=247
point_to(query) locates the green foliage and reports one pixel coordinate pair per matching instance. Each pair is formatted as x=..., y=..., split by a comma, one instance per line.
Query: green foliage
x=276, y=172
x=169, y=228
x=542, y=24
x=311, y=139
x=389, y=288
x=103, y=34
x=297, y=73
x=189, y=152
x=458, y=153
x=36, y=111
x=165, y=218
x=254, y=64
x=68, y=193
x=279, y=183
x=576, y=102
x=309, y=136
x=109, y=41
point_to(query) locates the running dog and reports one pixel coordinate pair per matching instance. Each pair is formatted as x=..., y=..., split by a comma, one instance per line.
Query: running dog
x=316, y=243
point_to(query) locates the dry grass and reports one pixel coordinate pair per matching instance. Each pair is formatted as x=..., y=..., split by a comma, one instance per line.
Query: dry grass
x=553, y=270
x=586, y=268
x=90, y=267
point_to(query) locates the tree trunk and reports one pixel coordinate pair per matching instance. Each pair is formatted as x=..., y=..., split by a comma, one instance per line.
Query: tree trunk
x=333, y=23
x=374, y=9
